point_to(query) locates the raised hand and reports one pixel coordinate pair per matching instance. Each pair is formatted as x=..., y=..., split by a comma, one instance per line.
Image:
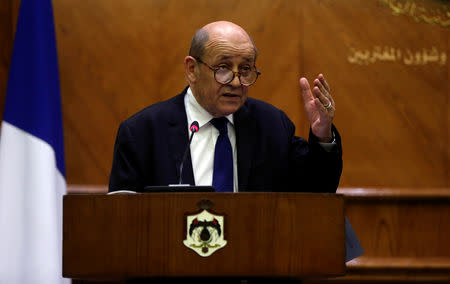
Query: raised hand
x=319, y=107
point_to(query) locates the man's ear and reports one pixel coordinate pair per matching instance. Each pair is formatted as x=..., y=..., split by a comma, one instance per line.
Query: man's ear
x=189, y=68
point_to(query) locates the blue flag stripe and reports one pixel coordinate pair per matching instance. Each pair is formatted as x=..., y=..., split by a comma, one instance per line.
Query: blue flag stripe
x=33, y=101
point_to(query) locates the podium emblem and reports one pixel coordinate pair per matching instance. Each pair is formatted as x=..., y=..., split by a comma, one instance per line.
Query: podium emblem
x=205, y=231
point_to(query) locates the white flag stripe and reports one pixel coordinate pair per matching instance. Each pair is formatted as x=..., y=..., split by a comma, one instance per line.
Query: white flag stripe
x=31, y=189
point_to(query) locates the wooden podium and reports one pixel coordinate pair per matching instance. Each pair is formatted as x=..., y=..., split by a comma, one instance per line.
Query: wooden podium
x=124, y=236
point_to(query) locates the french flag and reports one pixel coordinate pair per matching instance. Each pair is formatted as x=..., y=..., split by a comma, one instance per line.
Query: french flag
x=32, y=171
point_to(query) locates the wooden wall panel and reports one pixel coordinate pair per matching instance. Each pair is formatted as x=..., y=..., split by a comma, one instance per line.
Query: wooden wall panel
x=392, y=112
x=404, y=233
x=402, y=228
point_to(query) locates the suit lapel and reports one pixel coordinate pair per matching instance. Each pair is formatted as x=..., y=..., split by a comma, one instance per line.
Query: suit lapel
x=244, y=142
x=178, y=139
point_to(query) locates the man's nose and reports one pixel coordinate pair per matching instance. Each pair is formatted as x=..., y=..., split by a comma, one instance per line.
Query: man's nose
x=236, y=82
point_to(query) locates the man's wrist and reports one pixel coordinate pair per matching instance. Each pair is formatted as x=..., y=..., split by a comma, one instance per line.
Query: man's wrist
x=330, y=139
x=329, y=146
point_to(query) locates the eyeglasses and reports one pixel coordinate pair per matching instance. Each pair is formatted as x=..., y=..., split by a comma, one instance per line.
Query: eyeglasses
x=223, y=74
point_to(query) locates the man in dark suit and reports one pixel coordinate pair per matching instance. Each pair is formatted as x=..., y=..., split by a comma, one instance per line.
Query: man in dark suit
x=264, y=153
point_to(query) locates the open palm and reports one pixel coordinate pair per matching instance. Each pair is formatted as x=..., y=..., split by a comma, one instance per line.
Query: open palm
x=319, y=107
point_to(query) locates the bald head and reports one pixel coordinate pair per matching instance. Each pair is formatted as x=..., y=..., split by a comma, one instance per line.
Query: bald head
x=205, y=37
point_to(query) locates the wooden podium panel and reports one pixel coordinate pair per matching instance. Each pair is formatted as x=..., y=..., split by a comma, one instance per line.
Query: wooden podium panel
x=141, y=235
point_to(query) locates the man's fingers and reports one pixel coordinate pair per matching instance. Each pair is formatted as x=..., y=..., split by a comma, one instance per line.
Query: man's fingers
x=324, y=82
x=325, y=90
x=320, y=93
x=317, y=83
x=320, y=106
x=322, y=98
x=306, y=90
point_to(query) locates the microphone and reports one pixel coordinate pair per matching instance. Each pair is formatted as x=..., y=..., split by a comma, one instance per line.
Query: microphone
x=193, y=128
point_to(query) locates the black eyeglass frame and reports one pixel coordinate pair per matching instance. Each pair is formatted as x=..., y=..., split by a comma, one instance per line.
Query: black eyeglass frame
x=215, y=69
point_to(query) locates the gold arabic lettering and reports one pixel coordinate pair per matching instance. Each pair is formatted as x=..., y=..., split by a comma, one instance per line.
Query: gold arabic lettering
x=391, y=54
x=439, y=16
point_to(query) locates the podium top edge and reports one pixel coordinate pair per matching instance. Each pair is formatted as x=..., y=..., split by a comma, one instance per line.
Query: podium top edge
x=338, y=195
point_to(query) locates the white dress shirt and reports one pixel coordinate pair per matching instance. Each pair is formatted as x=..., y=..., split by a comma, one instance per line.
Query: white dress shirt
x=204, y=142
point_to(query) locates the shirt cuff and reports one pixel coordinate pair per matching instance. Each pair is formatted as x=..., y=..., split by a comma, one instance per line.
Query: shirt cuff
x=329, y=147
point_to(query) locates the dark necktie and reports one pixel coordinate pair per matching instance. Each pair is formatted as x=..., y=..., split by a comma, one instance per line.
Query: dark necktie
x=223, y=158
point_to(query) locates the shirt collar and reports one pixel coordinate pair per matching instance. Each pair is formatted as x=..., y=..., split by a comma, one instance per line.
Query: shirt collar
x=196, y=112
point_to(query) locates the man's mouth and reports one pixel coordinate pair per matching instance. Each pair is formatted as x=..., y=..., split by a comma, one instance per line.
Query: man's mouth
x=230, y=95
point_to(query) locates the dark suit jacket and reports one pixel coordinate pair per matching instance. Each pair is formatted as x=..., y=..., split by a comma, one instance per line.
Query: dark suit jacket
x=150, y=145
